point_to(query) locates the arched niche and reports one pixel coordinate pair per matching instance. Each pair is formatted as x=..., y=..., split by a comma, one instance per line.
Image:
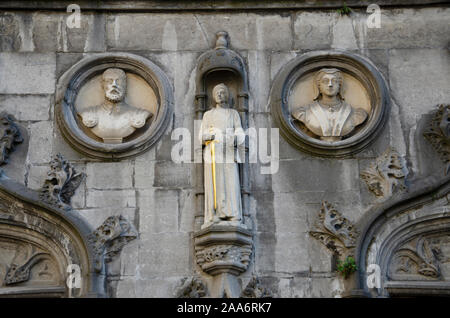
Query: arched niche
x=223, y=65
x=147, y=89
x=38, y=243
x=407, y=242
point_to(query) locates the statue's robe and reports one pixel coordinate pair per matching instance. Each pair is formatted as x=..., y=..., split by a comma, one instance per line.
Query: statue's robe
x=112, y=125
x=228, y=143
x=327, y=123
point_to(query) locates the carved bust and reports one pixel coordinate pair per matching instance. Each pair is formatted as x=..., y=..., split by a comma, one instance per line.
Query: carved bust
x=329, y=117
x=114, y=119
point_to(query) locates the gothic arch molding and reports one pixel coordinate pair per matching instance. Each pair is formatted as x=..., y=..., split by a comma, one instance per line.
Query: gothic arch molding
x=408, y=238
x=37, y=244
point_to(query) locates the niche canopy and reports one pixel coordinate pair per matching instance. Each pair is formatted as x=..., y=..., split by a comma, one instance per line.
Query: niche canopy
x=329, y=103
x=113, y=106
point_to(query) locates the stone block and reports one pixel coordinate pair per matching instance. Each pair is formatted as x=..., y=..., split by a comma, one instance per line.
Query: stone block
x=165, y=254
x=187, y=210
x=126, y=287
x=36, y=176
x=316, y=175
x=144, y=174
x=409, y=28
x=10, y=39
x=326, y=287
x=60, y=145
x=47, y=30
x=90, y=37
x=408, y=73
x=343, y=33
x=64, y=61
x=278, y=60
x=249, y=31
x=290, y=215
x=313, y=30
x=41, y=142
x=265, y=245
x=259, y=82
x=291, y=252
x=28, y=107
x=159, y=287
x=27, y=73
x=109, y=175
x=159, y=211
x=169, y=32
x=173, y=175
x=111, y=198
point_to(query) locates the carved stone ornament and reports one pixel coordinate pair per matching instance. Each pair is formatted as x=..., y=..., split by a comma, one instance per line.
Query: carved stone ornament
x=334, y=231
x=329, y=103
x=113, y=105
x=192, y=287
x=61, y=182
x=9, y=136
x=387, y=175
x=109, y=239
x=424, y=258
x=438, y=133
x=38, y=243
x=224, y=252
x=254, y=289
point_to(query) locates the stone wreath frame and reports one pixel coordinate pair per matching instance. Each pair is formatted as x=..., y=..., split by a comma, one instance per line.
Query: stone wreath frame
x=71, y=82
x=359, y=67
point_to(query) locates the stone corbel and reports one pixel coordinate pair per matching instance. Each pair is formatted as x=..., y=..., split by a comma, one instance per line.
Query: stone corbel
x=223, y=252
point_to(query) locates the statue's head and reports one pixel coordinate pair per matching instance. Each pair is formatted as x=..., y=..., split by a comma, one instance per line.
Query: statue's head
x=114, y=81
x=328, y=81
x=220, y=93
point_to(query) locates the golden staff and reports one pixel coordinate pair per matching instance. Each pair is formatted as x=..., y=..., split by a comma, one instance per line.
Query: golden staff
x=213, y=161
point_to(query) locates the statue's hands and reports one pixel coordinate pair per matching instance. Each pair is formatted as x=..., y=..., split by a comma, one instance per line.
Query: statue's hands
x=209, y=137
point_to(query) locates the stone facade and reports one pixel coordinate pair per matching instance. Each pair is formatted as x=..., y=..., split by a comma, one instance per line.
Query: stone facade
x=162, y=200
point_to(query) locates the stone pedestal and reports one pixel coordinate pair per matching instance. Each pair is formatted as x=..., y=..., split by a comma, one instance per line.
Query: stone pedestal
x=223, y=251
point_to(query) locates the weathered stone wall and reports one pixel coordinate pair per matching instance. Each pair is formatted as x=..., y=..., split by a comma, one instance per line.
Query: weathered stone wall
x=157, y=195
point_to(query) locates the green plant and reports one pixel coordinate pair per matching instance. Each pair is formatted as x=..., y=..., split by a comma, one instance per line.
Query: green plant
x=344, y=10
x=346, y=267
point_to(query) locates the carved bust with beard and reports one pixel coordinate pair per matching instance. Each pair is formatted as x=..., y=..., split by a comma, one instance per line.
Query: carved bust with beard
x=114, y=119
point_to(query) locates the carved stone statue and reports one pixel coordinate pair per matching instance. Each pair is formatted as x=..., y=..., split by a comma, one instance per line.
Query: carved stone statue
x=114, y=119
x=329, y=117
x=222, y=134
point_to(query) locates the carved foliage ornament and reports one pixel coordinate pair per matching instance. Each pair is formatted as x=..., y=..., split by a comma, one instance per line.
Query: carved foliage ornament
x=334, y=231
x=228, y=253
x=438, y=133
x=422, y=257
x=192, y=288
x=387, y=175
x=61, y=182
x=109, y=239
x=255, y=289
x=9, y=136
